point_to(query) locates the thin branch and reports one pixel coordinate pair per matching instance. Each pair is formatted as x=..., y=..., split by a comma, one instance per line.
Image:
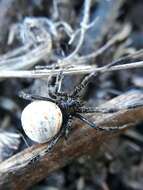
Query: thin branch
x=84, y=27
x=76, y=70
x=27, y=60
x=37, y=46
x=124, y=33
x=21, y=171
x=107, y=12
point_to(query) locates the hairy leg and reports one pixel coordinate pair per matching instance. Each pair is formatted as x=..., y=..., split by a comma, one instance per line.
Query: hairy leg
x=59, y=79
x=93, y=125
x=53, y=142
x=32, y=97
x=87, y=79
x=78, y=89
x=56, y=93
x=67, y=128
x=62, y=133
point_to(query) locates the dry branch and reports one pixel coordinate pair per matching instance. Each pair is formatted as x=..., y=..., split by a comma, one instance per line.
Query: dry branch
x=19, y=172
x=75, y=70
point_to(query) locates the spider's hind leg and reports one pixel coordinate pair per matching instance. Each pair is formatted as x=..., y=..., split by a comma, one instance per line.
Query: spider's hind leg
x=107, y=129
x=64, y=132
x=53, y=142
x=67, y=128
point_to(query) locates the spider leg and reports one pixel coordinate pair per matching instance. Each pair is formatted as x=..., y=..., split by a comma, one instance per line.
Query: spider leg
x=87, y=79
x=54, y=141
x=108, y=110
x=83, y=84
x=50, y=146
x=31, y=97
x=93, y=125
x=53, y=93
x=59, y=79
x=58, y=84
x=56, y=92
x=63, y=133
x=68, y=127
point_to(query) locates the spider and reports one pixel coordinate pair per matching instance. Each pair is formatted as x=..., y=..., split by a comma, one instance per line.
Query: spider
x=72, y=106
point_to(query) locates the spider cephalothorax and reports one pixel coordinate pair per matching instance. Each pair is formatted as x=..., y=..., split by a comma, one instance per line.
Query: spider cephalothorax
x=54, y=114
x=70, y=106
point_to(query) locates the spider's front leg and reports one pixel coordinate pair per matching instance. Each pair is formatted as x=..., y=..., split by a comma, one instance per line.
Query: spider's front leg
x=58, y=84
x=57, y=89
x=87, y=79
x=82, y=85
x=32, y=97
x=93, y=125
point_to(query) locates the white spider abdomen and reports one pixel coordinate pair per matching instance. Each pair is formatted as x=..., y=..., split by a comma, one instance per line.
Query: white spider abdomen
x=41, y=120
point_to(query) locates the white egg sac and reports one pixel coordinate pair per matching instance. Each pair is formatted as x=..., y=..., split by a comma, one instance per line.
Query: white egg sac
x=41, y=120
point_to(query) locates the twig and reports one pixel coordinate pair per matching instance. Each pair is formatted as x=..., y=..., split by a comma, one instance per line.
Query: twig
x=84, y=25
x=107, y=12
x=13, y=53
x=7, y=9
x=21, y=171
x=55, y=9
x=27, y=60
x=138, y=55
x=30, y=58
x=118, y=37
x=70, y=71
x=37, y=46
